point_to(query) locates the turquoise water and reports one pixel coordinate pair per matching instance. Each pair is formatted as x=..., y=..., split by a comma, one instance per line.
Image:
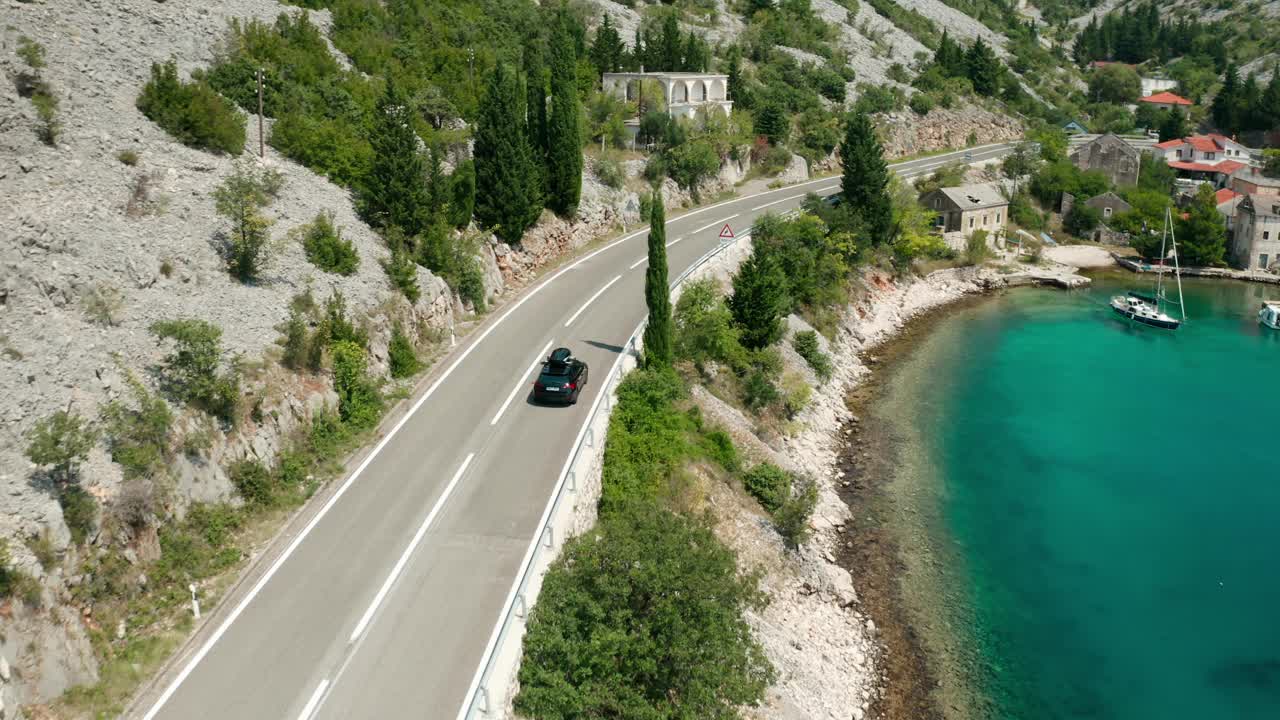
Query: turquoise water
x=1113, y=494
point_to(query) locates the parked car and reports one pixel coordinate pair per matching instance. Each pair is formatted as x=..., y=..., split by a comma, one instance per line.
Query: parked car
x=562, y=378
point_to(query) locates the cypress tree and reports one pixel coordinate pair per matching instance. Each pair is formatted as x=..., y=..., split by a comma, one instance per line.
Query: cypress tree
x=535, y=86
x=1173, y=125
x=564, y=132
x=773, y=123
x=657, y=292
x=984, y=68
x=865, y=182
x=394, y=193
x=507, y=197
x=462, y=194
x=759, y=299
x=1226, y=105
x=670, y=44
x=1270, y=110
x=1251, y=105
x=606, y=53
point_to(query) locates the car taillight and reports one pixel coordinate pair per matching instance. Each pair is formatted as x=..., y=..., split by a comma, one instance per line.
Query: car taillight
x=538, y=386
x=570, y=386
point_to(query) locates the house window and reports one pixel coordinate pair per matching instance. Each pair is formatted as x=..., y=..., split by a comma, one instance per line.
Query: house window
x=984, y=220
x=1210, y=156
x=1179, y=154
x=1262, y=261
x=997, y=218
x=970, y=223
x=1266, y=234
x=937, y=203
x=1106, y=212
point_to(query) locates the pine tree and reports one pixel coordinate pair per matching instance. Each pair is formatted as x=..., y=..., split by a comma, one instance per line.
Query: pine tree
x=1173, y=125
x=462, y=194
x=507, y=196
x=737, y=86
x=1202, y=236
x=866, y=178
x=393, y=193
x=1226, y=105
x=773, y=123
x=564, y=131
x=949, y=57
x=759, y=299
x=658, y=341
x=1270, y=108
x=671, y=46
x=606, y=53
x=1251, y=105
x=984, y=68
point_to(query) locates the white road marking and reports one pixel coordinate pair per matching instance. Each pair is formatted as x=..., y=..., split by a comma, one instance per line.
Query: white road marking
x=520, y=383
x=314, y=702
x=333, y=499
x=775, y=202
x=673, y=242
x=408, y=551
x=637, y=263
x=590, y=300
x=721, y=220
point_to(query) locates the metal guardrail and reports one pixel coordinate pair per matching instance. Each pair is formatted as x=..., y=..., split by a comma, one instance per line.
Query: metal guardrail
x=478, y=702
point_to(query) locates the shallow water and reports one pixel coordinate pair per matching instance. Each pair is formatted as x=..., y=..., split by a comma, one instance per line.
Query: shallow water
x=1103, y=501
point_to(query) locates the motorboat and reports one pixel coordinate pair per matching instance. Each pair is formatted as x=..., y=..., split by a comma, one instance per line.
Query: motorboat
x=1269, y=315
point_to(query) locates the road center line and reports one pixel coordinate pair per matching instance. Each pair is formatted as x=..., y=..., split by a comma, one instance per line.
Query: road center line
x=591, y=300
x=314, y=702
x=408, y=551
x=721, y=220
x=520, y=383
x=673, y=242
x=637, y=263
x=775, y=202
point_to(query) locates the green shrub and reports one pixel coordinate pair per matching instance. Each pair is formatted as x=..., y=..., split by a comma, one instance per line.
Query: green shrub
x=128, y=157
x=253, y=482
x=462, y=194
x=795, y=394
x=359, y=403
x=646, y=438
x=104, y=304
x=31, y=52
x=703, y=326
x=1082, y=220
x=609, y=171
x=769, y=484
x=213, y=524
x=333, y=147
x=643, y=617
x=336, y=327
x=465, y=273
x=921, y=103
x=976, y=250
x=326, y=248
x=247, y=247
x=193, y=113
x=191, y=372
x=79, y=510
x=898, y=73
x=327, y=435
x=61, y=440
x=138, y=435
x=691, y=163
x=759, y=391
x=402, y=271
x=720, y=448
x=806, y=345
x=42, y=547
x=792, y=517
x=879, y=99
x=297, y=341
x=400, y=354
x=46, y=104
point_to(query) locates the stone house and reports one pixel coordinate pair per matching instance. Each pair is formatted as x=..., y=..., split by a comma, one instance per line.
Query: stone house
x=967, y=209
x=1249, y=182
x=1256, y=242
x=1108, y=204
x=1115, y=158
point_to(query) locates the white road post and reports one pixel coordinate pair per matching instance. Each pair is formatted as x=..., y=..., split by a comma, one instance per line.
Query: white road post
x=195, y=604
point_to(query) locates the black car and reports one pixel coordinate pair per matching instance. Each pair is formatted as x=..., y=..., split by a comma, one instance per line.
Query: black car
x=562, y=378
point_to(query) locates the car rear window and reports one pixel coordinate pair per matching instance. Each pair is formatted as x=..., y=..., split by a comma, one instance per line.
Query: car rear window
x=555, y=371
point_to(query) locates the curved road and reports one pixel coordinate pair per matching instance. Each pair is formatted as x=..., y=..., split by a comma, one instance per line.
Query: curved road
x=380, y=606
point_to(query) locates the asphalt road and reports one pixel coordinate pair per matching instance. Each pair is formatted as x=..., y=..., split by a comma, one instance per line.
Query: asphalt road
x=381, y=606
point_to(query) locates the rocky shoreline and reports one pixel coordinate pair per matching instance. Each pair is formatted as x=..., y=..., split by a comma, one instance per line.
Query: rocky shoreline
x=885, y=324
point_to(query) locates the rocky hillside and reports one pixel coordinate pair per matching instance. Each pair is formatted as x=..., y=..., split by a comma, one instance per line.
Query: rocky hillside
x=110, y=226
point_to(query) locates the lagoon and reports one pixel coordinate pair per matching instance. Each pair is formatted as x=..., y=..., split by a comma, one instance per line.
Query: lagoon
x=1091, y=509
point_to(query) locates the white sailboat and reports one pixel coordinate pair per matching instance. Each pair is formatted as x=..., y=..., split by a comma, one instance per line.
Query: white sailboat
x=1147, y=309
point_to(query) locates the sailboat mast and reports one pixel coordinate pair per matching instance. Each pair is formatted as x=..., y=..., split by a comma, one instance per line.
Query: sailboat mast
x=1177, y=269
x=1164, y=236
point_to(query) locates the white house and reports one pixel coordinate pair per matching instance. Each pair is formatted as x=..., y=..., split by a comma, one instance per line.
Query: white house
x=684, y=92
x=1151, y=86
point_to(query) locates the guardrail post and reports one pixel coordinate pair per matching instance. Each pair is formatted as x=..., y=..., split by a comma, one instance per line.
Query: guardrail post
x=591, y=437
x=573, y=481
x=484, y=700
x=548, y=536
x=520, y=611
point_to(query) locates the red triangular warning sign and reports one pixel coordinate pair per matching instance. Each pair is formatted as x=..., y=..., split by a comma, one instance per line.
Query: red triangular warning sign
x=726, y=231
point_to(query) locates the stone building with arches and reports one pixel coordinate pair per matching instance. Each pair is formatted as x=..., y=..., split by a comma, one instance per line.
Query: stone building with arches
x=684, y=93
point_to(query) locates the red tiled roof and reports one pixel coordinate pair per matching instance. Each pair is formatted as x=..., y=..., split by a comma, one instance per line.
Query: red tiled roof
x=1169, y=144
x=1226, y=195
x=1165, y=98
x=1226, y=167
x=1205, y=143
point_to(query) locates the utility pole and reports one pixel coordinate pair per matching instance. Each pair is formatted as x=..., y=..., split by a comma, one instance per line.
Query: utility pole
x=471, y=69
x=261, y=149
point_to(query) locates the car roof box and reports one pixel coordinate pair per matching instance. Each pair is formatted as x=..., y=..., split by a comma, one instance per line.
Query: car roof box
x=560, y=356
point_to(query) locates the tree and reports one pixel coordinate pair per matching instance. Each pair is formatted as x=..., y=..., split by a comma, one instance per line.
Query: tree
x=759, y=299
x=670, y=48
x=606, y=53
x=535, y=87
x=664, y=639
x=1270, y=107
x=507, y=196
x=865, y=182
x=737, y=86
x=564, y=126
x=240, y=198
x=657, y=292
x=394, y=192
x=1271, y=163
x=1081, y=220
x=1202, y=235
x=773, y=122
x=1019, y=163
x=61, y=440
x=462, y=194
x=1173, y=125
x=984, y=68
x=1116, y=83
x=950, y=57
x=191, y=372
x=1226, y=109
